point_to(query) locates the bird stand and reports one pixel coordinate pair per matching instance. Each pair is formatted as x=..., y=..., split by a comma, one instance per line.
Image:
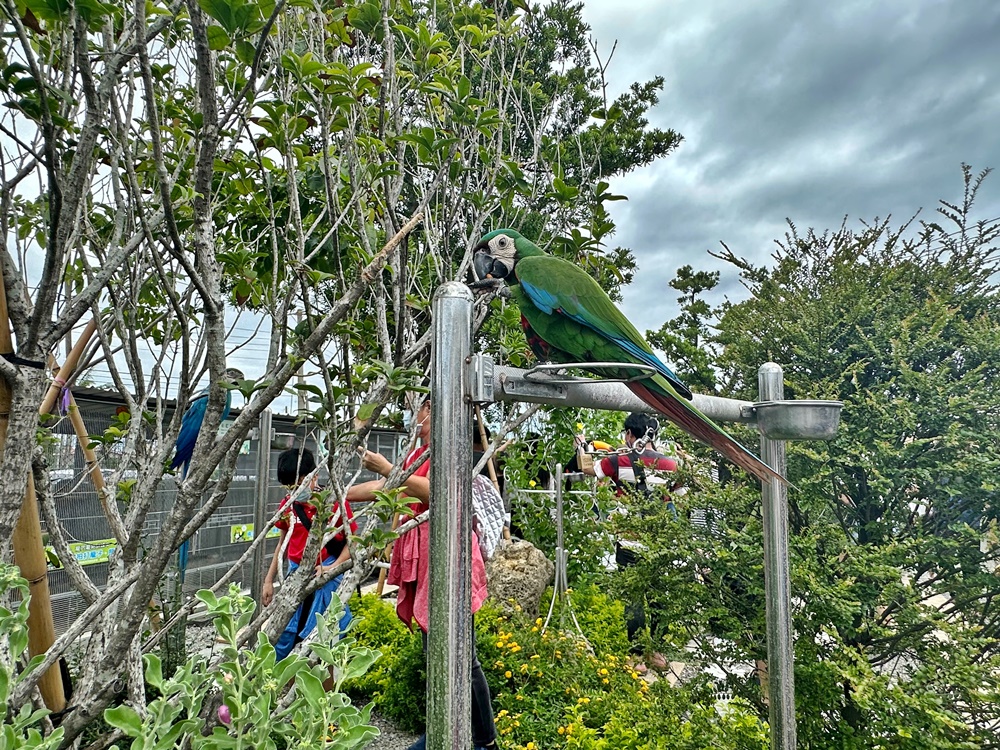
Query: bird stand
x=560, y=588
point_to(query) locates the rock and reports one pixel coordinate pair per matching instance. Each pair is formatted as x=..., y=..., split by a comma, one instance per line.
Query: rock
x=518, y=573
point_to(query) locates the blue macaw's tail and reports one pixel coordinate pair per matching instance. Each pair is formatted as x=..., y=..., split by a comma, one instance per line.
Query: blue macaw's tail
x=182, y=559
x=688, y=418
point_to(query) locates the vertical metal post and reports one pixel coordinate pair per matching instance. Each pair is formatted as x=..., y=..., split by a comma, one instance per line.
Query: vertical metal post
x=449, y=654
x=562, y=582
x=780, y=656
x=260, y=502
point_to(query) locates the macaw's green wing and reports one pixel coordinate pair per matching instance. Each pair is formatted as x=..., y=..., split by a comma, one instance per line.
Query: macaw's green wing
x=558, y=288
x=575, y=321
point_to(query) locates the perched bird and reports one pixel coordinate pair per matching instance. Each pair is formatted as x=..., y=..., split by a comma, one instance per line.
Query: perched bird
x=191, y=423
x=567, y=318
x=190, y=428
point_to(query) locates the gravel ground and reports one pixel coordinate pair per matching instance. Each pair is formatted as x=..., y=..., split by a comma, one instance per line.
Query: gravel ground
x=391, y=738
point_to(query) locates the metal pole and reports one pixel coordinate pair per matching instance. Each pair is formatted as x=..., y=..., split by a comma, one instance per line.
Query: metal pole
x=780, y=656
x=260, y=502
x=561, y=579
x=449, y=653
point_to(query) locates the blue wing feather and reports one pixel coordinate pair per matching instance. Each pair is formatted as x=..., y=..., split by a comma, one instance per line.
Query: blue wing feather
x=188, y=435
x=191, y=426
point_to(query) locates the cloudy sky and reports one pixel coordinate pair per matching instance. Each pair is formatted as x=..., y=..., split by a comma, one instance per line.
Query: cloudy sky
x=804, y=109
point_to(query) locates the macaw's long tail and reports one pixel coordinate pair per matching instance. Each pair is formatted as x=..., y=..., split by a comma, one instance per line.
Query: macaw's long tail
x=183, y=552
x=693, y=422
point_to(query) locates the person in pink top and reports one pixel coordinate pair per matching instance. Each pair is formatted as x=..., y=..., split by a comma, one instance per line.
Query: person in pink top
x=408, y=569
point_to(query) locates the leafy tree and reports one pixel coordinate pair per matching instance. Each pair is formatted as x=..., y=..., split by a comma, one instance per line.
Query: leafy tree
x=892, y=524
x=312, y=169
x=686, y=339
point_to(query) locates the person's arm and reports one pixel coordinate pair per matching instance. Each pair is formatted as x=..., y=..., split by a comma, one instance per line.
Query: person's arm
x=267, y=592
x=345, y=554
x=416, y=486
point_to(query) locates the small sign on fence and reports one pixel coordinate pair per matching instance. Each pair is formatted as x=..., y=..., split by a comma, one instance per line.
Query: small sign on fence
x=243, y=532
x=86, y=553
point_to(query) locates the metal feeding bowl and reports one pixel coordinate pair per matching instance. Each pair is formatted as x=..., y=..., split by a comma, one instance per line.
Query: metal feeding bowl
x=798, y=420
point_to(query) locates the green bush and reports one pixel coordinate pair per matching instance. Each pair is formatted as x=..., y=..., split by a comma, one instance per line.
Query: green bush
x=550, y=690
x=396, y=683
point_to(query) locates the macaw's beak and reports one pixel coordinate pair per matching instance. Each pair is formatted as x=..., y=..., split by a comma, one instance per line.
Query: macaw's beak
x=489, y=270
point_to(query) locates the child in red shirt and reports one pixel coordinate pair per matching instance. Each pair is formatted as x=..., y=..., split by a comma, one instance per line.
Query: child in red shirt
x=294, y=465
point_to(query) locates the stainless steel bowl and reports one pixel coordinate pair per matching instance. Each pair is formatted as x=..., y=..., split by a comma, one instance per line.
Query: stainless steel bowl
x=798, y=420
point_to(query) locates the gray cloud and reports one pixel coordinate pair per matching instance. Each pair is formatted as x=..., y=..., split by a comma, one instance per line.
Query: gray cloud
x=796, y=109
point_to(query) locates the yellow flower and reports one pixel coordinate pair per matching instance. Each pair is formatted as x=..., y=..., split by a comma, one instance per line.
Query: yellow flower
x=538, y=621
x=534, y=628
x=531, y=483
x=602, y=670
x=520, y=698
x=605, y=680
x=531, y=746
x=535, y=656
x=579, y=425
x=561, y=730
x=508, y=674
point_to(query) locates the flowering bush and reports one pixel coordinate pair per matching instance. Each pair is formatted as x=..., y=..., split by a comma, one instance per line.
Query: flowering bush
x=554, y=689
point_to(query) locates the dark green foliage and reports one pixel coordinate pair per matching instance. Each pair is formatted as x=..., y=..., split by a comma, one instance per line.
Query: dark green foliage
x=893, y=523
x=685, y=340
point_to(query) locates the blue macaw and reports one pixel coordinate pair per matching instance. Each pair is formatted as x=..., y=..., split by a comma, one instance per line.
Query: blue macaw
x=188, y=436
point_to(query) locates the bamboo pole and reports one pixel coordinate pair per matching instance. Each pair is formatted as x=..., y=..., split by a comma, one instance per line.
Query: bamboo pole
x=387, y=556
x=66, y=371
x=29, y=556
x=61, y=376
x=29, y=552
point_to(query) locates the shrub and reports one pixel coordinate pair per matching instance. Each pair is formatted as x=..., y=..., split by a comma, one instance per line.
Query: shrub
x=396, y=683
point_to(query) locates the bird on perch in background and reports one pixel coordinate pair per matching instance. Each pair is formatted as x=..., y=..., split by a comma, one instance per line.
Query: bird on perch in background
x=568, y=319
x=191, y=424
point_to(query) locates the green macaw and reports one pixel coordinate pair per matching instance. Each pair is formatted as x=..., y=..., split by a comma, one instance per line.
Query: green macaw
x=567, y=318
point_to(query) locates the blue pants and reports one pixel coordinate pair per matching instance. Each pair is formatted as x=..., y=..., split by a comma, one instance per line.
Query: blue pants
x=303, y=620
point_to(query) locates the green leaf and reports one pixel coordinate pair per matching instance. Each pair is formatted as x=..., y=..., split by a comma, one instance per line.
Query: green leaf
x=222, y=11
x=154, y=670
x=218, y=39
x=124, y=718
x=365, y=411
x=210, y=600
x=311, y=688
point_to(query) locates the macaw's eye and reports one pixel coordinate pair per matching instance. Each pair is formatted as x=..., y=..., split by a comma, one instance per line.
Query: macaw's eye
x=502, y=242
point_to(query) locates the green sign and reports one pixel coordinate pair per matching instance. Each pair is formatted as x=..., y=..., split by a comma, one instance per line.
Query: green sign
x=86, y=553
x=243, y=532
